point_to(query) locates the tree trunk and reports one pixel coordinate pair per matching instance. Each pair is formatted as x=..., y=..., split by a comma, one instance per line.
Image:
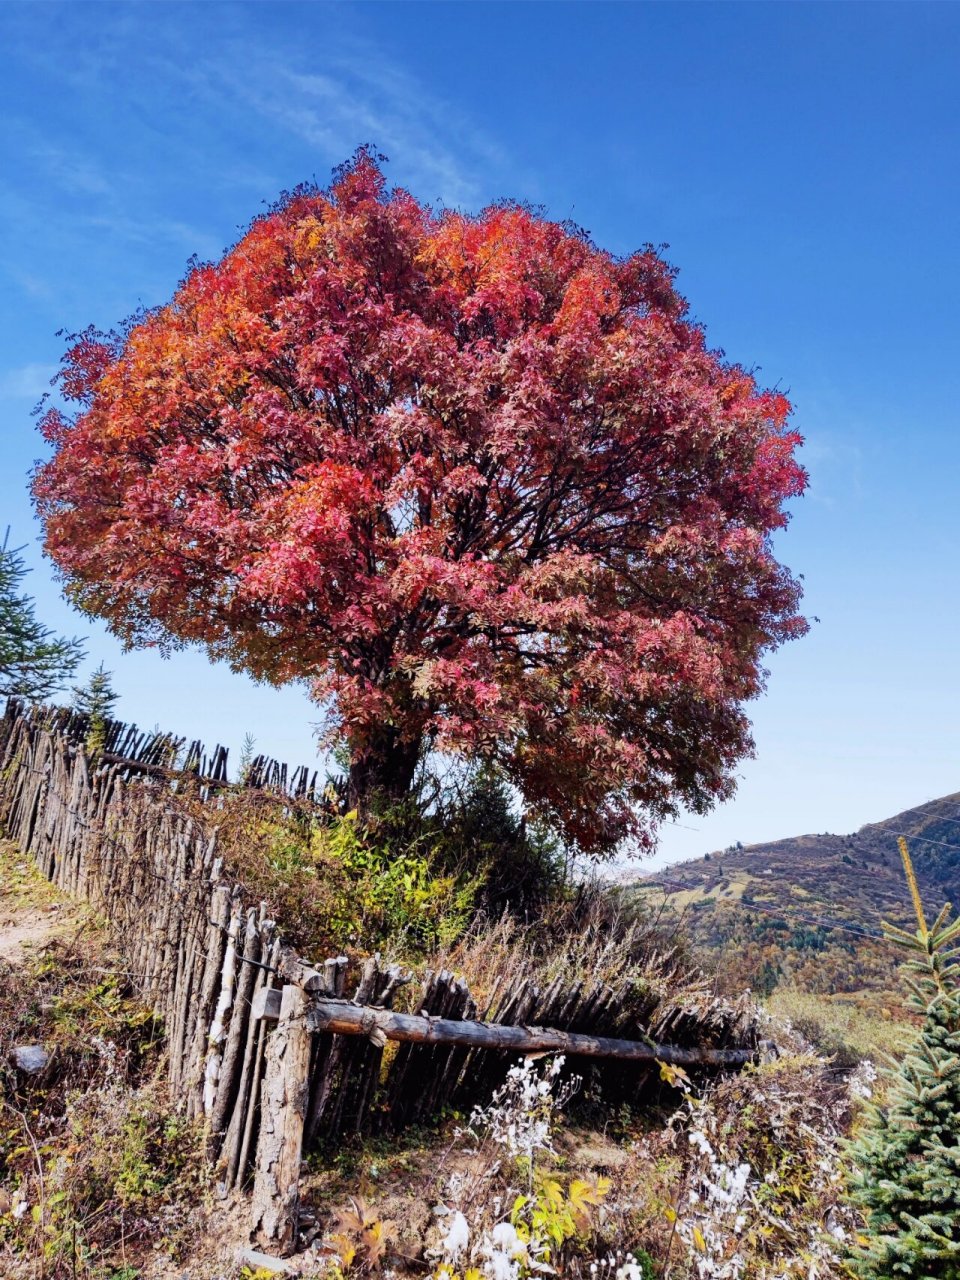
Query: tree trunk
x=382, y=775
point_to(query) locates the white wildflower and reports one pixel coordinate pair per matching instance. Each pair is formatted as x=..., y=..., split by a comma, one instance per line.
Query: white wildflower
x=629, y=1271
x=520, y=1114
x=504, y=1236
x=862, y=1080
x=457, y=1239
x=504, y=1252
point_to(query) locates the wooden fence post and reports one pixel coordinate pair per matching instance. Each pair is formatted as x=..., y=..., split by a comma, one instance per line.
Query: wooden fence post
x=283, y=1108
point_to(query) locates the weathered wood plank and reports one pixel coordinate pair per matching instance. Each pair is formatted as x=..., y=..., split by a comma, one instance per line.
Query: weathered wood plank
x=283, y=1105
x=344, y=1018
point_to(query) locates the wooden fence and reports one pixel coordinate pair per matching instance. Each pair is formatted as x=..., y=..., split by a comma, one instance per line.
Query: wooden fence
x=102, y=834
x=262, y=1045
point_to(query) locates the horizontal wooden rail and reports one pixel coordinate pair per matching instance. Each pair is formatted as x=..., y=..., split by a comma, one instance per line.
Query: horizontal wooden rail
x=348, y=1019
x=158, y=770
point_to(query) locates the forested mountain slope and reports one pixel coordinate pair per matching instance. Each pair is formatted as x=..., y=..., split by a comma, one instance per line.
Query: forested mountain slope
x=809, y=908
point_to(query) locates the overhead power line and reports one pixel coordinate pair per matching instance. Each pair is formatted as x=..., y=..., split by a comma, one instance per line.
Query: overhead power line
x=928, y=813
x=907, y=835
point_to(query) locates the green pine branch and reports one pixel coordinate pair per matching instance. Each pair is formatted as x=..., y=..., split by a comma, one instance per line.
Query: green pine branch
x=34, y=662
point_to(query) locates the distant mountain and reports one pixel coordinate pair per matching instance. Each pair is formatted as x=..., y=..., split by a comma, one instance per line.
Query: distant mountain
x=809, y=907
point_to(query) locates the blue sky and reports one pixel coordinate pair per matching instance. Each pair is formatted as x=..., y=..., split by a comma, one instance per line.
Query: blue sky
x=802, y=162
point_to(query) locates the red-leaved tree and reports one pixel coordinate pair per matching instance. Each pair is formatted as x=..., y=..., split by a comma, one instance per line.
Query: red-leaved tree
x=480, y=483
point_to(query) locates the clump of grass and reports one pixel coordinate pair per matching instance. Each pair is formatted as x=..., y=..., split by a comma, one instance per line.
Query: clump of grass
x=590, y=934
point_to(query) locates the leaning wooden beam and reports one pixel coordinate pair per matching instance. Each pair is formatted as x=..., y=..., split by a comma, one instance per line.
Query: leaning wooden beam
x=159, y=770
x=346, y=1019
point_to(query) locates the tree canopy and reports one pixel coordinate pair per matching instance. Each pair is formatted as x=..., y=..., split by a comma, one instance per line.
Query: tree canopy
x=480, y=483
x=34, y=662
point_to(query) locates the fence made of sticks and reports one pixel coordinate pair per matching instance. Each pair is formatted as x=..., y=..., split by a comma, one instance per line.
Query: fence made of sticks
x=268, y=1049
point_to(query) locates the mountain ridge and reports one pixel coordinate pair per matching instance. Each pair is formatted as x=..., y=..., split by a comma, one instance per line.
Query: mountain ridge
x=810, y=907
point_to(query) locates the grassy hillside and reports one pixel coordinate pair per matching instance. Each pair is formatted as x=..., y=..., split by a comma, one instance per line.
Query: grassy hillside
x=806, y=911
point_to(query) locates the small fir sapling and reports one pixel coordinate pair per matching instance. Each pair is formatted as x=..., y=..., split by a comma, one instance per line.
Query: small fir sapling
x=905, y=1173
x=96, y=699
x=245, y=762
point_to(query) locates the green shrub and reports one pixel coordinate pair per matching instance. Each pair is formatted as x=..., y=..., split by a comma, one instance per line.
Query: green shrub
x=521, y=865
x=409, y=880
x=390, y=896
x=846, y=1030
x=339, y=887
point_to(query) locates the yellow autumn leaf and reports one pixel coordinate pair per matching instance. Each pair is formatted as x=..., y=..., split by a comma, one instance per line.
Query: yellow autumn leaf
x=584, y=1196
x=673, y=1075
x=698, y=1240
x=345, y=1248
x=583, y=1193
x=552, y=1192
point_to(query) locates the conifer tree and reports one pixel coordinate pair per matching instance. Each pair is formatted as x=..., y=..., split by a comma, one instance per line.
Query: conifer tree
x=906, y=1175
x=34, y=663
x=96, y=699
x=246, y=758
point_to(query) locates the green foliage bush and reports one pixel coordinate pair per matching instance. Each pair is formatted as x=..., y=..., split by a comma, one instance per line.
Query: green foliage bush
x=340, y=887
x=391, y=895
x=845, y=1030
x=410, y=880
x=521, y=865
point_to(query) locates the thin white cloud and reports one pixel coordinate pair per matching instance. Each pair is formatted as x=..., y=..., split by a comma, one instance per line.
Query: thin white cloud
x=390, y=109
x=359, y=97
x=262, y=106
x=835, y=466
x=74, y=172
x=169, y=230
x=29, y=382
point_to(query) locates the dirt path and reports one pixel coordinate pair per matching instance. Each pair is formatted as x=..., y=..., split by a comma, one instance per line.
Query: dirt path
x=26, y=931
x=32, y=911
